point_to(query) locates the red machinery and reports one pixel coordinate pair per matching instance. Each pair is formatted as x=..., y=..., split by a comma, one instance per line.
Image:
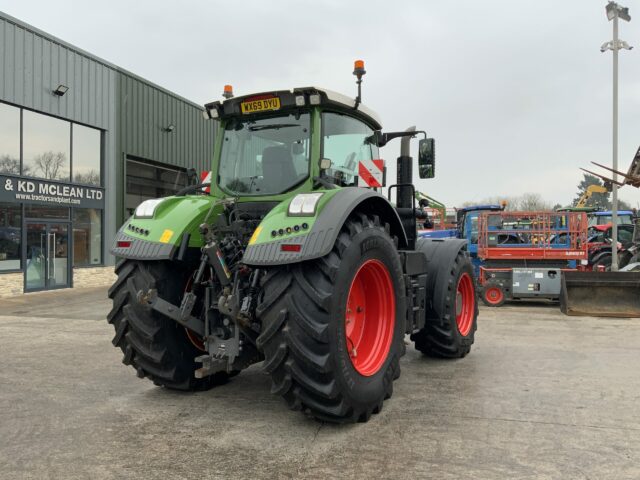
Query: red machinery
x=524, y=253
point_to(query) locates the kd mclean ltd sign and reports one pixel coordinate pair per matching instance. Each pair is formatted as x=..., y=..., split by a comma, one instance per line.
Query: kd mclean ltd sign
x=48, y=192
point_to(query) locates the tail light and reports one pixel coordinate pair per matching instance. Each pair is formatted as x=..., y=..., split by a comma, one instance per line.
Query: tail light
x=290, y=247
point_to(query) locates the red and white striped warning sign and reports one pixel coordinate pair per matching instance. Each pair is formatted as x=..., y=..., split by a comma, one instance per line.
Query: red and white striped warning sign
x=371, y=173
x=205, y=177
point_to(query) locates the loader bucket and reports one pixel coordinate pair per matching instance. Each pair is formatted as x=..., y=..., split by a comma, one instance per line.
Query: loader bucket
x=600, y=294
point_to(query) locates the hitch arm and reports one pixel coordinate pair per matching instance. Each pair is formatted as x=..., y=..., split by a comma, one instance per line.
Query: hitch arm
x=151, y=299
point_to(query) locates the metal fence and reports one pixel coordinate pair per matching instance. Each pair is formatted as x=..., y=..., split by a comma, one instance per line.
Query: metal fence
x=532, y=235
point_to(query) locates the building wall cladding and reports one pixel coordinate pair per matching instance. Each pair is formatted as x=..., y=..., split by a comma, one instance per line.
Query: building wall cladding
x=34, y=64
x=144, y=112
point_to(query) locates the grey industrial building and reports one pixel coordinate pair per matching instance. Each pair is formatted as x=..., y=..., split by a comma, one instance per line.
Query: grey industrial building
x=82, y=143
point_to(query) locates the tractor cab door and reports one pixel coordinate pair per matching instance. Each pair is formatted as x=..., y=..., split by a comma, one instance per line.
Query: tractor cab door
x=347, y=155
x=470, y=232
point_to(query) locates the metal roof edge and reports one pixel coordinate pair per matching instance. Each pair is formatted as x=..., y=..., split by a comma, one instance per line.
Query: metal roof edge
x=93, y=57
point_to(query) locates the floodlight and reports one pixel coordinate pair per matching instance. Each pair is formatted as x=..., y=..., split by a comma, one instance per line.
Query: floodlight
x=61, y=90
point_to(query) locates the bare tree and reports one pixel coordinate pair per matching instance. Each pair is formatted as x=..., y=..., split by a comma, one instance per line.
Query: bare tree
x=533, y=201
x=511, y=202
x=525, y=202
x=9, y=165
x=89, y=178
x=51, y=165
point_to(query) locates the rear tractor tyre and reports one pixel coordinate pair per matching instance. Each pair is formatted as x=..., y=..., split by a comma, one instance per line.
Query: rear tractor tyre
x=603, y=262
x=493, y=294
x=157, y=347
x=333, y=328
x=451, y=332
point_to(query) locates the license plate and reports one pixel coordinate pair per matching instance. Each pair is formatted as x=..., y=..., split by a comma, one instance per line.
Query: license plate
x=260, y=105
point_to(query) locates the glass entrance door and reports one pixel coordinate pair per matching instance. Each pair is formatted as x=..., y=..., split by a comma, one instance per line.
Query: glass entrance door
x=47, y=256
x=36, y=263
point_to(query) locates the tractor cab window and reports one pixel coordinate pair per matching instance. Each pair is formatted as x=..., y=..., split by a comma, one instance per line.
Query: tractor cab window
x=473, y=228
x=468, y=226
x=623, y=219
x=344, y=142
x=267, y=156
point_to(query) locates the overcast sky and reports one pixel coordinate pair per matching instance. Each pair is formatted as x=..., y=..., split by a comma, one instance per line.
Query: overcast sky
x=516, y=93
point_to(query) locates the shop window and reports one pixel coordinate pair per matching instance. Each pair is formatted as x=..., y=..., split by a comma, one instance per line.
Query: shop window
x=9, y=139
x=10, y=236
x=86, y=155
x=87, y=237
x=145, y=181
x=46, y=146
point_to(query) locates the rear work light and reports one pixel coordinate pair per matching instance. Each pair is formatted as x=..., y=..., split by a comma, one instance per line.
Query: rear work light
x=147, y=208
x=123, y=244
x=304, y=205
x=291, y=247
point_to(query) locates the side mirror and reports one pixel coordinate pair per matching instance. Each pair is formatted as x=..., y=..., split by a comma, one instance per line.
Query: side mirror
x=427, y=158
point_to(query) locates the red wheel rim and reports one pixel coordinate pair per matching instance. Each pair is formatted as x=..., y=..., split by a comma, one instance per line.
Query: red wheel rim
x=196, y=340
x=465, y=304
x=370, y=317
x=493, y=295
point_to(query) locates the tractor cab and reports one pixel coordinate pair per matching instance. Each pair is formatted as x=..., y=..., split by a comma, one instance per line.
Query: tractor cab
x=602, y=217
x=276, y=143
x=625, y=217
x=467, y=225
x=467, y=222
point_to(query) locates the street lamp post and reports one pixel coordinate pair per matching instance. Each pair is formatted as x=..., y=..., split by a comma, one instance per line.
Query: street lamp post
x=614, y=12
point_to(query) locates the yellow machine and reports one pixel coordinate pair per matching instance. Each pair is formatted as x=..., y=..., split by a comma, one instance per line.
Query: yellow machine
x=591, y=189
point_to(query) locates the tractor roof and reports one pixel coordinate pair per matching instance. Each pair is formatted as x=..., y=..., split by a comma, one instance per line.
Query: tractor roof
x=606, y=213
x=577, y=209
x=475, y=208
x=292, y=100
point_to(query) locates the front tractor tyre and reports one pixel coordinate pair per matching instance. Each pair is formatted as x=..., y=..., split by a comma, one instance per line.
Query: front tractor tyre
x=157, y=347
x=452, y=321
x=333, y=328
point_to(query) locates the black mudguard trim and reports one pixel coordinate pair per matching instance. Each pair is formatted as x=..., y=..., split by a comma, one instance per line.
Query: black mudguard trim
x=320, y=240
x=440, y=255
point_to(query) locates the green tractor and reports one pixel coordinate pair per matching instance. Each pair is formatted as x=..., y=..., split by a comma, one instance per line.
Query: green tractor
x=294, y=258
